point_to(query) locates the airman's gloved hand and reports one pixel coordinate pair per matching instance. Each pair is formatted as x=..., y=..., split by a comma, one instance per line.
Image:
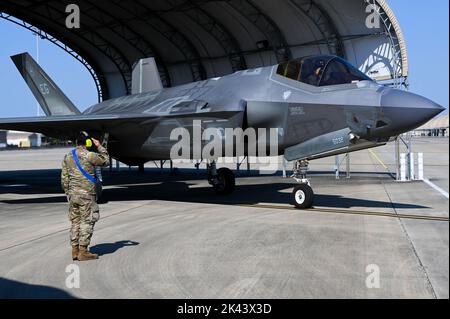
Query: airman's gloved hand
x=96, y=142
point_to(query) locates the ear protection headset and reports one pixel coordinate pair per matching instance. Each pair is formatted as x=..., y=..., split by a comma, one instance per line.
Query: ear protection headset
x=88, y=143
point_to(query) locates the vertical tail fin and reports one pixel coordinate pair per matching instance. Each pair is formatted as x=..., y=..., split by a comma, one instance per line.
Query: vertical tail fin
x=52, y=100
x=145, y=77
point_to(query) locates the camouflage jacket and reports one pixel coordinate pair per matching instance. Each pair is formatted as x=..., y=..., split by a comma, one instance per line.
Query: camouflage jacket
x=73, y=181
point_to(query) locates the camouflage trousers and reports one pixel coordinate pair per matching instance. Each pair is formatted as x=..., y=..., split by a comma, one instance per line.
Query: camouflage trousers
x=83, y=214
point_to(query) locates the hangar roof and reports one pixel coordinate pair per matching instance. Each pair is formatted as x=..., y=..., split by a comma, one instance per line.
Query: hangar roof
x=197, y=39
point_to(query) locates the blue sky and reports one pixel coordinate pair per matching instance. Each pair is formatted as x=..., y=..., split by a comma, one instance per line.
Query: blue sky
x=70, y=75
x=425, y=25
x=426, y=29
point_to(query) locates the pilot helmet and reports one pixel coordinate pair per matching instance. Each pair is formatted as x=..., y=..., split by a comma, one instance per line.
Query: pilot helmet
x=320, y=64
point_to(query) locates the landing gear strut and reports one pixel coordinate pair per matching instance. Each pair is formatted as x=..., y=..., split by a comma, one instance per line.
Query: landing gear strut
x=222, y=180
x=303, y=195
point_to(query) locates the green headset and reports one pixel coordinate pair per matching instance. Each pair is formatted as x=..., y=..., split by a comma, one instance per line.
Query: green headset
x=89, y=142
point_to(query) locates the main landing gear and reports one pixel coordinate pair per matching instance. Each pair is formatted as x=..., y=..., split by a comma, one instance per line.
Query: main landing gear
x=222, y=180
x=303, y=195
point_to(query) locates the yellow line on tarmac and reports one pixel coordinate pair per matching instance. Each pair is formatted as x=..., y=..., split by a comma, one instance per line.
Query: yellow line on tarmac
x=378, y=159
x=351, y=212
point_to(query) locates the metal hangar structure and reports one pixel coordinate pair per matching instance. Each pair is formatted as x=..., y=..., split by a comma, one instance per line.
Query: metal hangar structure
x=193, y=40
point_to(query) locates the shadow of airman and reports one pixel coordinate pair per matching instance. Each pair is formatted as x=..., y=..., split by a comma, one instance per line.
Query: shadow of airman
x=111, y=248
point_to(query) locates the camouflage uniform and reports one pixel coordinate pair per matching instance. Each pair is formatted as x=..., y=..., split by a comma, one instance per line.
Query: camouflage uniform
x=83, y=211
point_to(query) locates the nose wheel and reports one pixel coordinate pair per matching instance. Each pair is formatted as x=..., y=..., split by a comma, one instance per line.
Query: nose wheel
x=303, y=194
x=222, y=180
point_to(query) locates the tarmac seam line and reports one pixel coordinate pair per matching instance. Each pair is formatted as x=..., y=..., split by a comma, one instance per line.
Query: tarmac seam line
x=350, y=212
x=413, y=248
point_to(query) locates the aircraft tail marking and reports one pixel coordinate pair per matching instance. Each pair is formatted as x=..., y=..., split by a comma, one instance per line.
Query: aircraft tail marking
x=50, y=97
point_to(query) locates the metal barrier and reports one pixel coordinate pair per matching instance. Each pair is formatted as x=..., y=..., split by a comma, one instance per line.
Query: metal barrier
x=408, y=167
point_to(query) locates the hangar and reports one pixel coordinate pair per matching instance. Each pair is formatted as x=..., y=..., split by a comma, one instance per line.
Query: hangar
x=437, y=127
x=193, y=40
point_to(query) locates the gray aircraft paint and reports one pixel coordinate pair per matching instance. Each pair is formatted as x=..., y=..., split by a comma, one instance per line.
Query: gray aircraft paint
x=52, y=100
x=312, y=121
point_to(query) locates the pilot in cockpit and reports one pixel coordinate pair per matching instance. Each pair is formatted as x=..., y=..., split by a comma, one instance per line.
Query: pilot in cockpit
x=324, y=70
x=315, y=76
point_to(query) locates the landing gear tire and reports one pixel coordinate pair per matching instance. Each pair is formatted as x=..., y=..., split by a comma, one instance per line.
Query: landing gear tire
x=226, y=182
x=303, y=196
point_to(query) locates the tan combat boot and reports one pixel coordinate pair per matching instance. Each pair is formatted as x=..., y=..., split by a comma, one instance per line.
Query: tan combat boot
x=75, y=251
x=85, y=255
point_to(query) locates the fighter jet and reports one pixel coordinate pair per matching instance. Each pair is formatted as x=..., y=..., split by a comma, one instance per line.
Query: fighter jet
x=321, y=106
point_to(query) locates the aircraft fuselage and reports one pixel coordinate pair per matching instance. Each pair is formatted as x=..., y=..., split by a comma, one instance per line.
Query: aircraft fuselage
x=341, y=118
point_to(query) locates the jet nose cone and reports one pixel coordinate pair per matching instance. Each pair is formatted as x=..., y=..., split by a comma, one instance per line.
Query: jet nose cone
x=407, y=111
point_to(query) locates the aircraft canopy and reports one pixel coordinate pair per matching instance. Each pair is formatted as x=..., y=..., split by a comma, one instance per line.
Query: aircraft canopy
x=323, y=70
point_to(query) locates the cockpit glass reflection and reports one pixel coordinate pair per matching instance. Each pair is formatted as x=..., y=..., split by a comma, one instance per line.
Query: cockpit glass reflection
x=321, y=71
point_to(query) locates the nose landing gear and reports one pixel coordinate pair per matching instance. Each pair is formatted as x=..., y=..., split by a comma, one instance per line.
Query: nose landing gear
x=222, y=180
x=303, y=194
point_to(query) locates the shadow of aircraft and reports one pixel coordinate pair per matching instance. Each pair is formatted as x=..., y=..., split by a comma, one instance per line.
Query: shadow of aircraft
x=111, y=248
x=10, y=289
x=129, y=186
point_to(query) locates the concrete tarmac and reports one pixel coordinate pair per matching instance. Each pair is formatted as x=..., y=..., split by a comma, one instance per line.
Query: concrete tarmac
x=169, y=236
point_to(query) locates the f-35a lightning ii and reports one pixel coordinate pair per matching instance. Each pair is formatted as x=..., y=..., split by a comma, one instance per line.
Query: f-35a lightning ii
x=321, y=105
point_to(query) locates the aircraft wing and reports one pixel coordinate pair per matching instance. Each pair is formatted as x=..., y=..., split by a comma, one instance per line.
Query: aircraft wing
x=69, y=126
